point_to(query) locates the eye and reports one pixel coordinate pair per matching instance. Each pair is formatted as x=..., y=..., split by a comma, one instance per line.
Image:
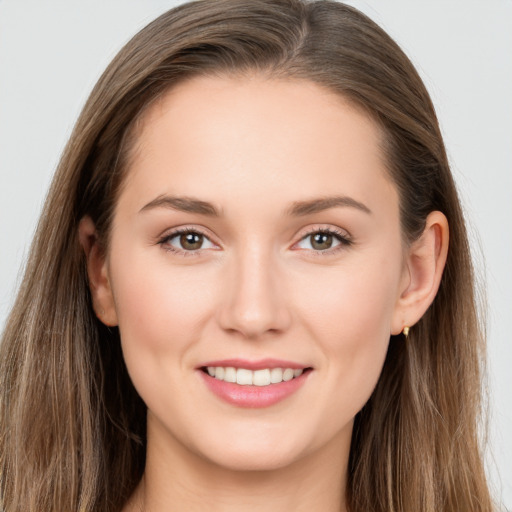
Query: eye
x=186, y=241
x=324, y=240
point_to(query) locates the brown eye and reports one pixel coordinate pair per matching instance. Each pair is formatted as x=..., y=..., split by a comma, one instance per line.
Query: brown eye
x=324, y=241
x=187, y=241
x=321, y=241
x=191, y=241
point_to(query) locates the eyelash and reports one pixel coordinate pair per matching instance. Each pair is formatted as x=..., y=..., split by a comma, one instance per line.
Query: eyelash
x=181, y=231
x=343, y=239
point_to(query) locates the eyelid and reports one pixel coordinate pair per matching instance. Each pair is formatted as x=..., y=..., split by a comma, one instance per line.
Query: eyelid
x=326, y=228
x=344, y=237
x=185, y=228
x=167, y=235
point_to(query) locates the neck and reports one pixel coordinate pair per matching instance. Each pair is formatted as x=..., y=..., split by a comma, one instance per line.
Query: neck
x=189, y=482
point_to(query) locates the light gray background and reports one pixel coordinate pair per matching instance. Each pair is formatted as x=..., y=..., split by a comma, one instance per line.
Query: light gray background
x=52, y=52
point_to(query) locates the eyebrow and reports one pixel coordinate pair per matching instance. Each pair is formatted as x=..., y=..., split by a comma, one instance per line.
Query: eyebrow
x=183, y=204
x=297, y=208
x=302, y=208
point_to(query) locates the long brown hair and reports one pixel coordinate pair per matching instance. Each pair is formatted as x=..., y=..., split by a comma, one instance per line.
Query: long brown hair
x=72, y=432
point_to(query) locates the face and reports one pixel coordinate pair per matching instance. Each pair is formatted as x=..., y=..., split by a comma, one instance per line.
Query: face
x=256, y=239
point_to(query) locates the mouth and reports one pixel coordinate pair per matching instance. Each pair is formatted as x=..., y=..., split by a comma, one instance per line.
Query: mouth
x=246, y=377
x=249, y=384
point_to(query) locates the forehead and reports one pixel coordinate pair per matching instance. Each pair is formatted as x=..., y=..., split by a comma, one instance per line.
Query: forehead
x=244, y=137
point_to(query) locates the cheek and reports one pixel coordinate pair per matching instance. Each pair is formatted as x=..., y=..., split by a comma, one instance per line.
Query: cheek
x=353, y=303
x=349, y=312
x=159, y=306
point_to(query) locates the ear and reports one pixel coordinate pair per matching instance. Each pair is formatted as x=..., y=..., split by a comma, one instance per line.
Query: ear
x=423, y=268
x=99, y=283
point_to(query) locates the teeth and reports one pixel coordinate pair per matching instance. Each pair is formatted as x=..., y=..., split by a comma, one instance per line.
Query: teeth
x=246, y=377
x=243, y=377
x=261, y=378
x=230, y=375
x=276, y=375
x=288, y=374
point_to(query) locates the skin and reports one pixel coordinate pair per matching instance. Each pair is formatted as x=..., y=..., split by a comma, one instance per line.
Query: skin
x=257, y=288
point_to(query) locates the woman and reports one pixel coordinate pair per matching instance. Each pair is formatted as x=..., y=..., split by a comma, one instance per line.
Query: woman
x=251, y=285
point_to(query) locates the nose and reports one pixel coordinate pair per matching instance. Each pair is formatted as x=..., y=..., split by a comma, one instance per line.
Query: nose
x=254, y=297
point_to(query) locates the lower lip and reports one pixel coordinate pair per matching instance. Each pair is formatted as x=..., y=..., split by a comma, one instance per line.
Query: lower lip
x=253, y=396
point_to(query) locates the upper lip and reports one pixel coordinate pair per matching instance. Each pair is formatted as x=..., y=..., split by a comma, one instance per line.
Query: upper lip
x=259, y=364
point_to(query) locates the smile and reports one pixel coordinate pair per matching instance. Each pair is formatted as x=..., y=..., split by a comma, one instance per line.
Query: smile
x=246, y=377
x=254, y=384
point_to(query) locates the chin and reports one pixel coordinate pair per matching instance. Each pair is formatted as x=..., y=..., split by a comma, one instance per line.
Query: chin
x=251, y=460
x=256, y=453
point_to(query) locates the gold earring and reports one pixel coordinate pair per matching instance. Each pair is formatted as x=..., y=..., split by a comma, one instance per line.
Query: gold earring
x=405, y=331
